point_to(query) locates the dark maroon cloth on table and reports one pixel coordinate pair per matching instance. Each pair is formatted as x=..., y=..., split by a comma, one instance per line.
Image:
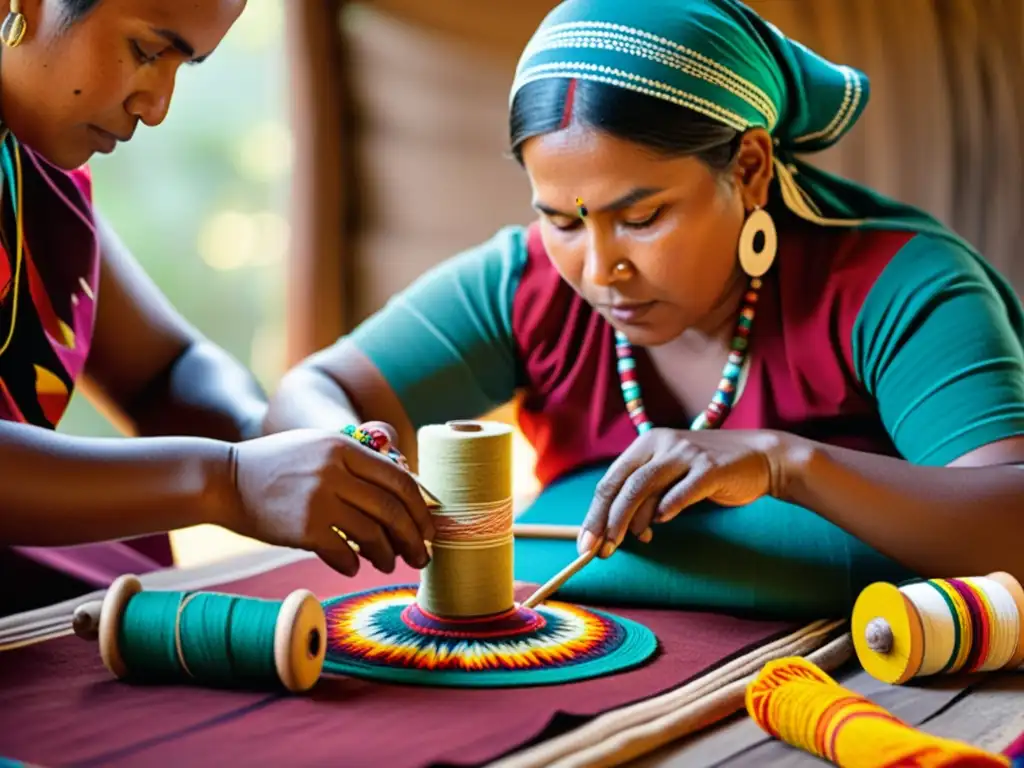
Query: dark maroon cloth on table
x=59, y=706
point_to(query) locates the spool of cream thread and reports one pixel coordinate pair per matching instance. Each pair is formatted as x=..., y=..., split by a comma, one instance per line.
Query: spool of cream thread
x=468, y=465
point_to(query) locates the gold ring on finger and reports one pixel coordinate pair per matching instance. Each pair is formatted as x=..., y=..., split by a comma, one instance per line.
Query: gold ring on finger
x=344, y=536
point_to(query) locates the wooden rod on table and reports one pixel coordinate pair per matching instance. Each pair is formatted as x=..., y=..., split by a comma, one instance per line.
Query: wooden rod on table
x=549, y=532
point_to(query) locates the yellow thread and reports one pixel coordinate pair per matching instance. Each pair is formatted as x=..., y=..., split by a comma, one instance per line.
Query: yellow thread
x=1006, y=626
x=963, y=620
x=469, y=466
x=796, y=200
x=19, y=240
x=796, y=702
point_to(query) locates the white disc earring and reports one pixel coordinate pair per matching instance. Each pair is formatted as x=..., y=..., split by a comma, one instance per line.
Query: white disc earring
x=759, y=243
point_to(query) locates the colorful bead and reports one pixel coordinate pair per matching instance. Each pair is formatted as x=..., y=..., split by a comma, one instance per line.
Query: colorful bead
x=724, y=397
x=376, y=440
x=359, y=436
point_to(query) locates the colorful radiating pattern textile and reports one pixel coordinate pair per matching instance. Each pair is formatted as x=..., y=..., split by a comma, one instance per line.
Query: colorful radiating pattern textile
x=382, y=634
x=1016, y=752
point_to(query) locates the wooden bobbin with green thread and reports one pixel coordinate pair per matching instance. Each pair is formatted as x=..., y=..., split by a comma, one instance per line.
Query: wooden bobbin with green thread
x=299, y=633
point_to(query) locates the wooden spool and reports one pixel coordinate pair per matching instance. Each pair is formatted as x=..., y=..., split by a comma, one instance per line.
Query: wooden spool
x=888, y=634
x=300, y=633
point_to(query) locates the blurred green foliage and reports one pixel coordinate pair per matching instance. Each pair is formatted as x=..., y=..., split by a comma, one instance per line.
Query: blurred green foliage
x=201, y=201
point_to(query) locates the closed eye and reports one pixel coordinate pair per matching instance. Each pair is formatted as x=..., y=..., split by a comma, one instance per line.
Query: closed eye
x=151, y=58
x=141, y=56
x=564, y=224
x=644, y=222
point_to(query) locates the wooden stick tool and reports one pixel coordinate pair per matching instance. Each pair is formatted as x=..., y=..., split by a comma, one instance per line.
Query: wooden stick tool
x=556, y=582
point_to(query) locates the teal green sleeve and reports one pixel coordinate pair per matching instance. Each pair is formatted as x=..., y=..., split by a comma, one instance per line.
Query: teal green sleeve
x=444, y=344
x=937, y=343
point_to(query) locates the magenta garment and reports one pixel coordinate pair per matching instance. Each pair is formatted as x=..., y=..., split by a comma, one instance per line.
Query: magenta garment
x=574, y=416
x=57, y=289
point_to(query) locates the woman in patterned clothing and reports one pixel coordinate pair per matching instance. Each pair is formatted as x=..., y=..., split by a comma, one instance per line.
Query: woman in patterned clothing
x=78, y=76
x=764, y=384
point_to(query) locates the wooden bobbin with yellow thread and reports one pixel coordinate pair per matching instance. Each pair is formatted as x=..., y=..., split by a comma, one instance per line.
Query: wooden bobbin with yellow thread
x=888, y=632
x=300, y=633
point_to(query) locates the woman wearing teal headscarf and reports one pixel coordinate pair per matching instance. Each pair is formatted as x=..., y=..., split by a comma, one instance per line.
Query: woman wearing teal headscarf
x=782, y=384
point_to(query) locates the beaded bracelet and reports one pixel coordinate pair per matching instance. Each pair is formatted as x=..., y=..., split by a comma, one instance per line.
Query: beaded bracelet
x=376, y=440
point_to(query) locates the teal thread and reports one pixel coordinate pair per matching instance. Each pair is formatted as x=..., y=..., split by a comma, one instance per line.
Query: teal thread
x=225, y=640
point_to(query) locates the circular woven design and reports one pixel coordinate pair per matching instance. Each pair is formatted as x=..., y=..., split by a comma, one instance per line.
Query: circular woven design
x=382, y=634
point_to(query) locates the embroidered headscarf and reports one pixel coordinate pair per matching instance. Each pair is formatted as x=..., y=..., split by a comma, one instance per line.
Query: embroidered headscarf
x=719, y=58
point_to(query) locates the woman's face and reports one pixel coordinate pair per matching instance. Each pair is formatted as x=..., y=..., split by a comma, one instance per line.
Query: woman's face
x=70, y=90
x=674, y=223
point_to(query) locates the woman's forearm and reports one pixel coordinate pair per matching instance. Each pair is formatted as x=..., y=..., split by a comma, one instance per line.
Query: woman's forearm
x=308, y=398
x=205, y=393
x=937, y=521
x=57, y=490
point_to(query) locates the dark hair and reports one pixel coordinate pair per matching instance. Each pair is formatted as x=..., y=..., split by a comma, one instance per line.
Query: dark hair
x=665, y=128
x=76, y=9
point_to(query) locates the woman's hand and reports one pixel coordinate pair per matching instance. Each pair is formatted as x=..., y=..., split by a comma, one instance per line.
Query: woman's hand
x=293, y=489
x=665, y=471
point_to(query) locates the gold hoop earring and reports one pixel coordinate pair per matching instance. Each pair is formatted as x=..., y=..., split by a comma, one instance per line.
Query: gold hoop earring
x=754, y=260
x=14, y=26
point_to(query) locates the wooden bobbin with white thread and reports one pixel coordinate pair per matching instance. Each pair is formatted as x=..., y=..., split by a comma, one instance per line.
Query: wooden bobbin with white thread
x=889, y=633
x=300, y=633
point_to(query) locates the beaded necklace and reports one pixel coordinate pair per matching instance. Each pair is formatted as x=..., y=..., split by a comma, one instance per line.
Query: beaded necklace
x=725, y=395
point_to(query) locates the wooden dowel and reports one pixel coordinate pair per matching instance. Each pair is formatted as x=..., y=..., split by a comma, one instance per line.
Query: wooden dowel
x=555, y=583
x=549, y=532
